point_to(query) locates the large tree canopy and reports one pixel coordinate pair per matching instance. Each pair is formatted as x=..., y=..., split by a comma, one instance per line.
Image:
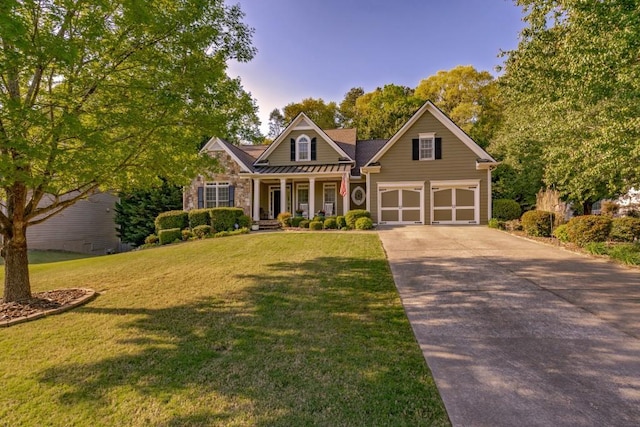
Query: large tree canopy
x=323, y=114
x=572, y=93
x=108, y=94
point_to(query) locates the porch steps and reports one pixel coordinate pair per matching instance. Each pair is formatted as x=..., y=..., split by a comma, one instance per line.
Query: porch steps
x=269, y=224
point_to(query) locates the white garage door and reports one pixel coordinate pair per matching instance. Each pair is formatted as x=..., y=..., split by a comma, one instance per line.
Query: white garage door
x=401, y=203
x=455, y=202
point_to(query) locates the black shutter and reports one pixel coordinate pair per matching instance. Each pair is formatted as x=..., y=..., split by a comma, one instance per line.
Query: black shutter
x=416, y=149
x=313, y=148
x=200, y=197
x=438, y=148
x=231, y=195
x=293, y=150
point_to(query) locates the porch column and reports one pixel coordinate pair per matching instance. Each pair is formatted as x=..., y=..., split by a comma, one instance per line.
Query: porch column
x=283, y=194
x=347, y=197
x=312, y=197
x=256, y=199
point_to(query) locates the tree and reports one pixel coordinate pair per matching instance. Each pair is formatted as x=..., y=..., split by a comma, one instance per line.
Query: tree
x=137, y=210
x=572, y=89
x=347, y=110
x=324, y=115
x=108, y=96
x=276, y=123
x=379, y=114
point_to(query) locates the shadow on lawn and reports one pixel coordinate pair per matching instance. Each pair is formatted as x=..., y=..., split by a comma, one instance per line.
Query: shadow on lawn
x=322, y=341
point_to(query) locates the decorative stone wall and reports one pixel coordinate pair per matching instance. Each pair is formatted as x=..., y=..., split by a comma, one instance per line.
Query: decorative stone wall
x=231, y=174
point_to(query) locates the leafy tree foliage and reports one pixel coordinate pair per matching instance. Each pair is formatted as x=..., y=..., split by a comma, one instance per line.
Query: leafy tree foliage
x=572, y=91
x=137, y=210
x=108, y=95
x=347, y=109
x=323, y=114
x=276, y=123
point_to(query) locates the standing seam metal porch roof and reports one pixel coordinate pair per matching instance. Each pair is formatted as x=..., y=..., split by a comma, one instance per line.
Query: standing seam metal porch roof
x=293, y=169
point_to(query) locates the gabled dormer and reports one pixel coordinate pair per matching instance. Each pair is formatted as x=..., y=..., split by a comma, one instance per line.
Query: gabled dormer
x=303, y=143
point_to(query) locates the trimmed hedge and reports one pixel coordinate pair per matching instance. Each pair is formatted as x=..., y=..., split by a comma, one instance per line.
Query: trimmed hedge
x=330, y=224
x=364, y=223
x=561, y=233
x=284, y=218
x=198, y=217
x=353, y=215
x=296, y=220
x=538, y=223
x=342, y=223
x=506, y=209
x=244, y=221
x=625, y=229
x=172, y=219
x=304, y=223
x=315, y=225
x=169, y=235
x=225, y=219
x=202, y=231
x=151, y=239
x=588, y=228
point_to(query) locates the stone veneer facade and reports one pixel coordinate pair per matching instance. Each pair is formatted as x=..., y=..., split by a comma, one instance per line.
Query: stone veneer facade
x=232, y=175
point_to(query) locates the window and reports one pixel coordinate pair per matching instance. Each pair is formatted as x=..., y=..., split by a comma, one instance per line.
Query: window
x=216, y=194
x=329, y=199
x=426, y=146
x=303, y=148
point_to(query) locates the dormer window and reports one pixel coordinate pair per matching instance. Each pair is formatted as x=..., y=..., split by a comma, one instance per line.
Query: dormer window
x=427, y=146
x=303, y=148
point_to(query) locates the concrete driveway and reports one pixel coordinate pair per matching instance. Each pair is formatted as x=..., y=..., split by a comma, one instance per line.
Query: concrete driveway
x=518, y=333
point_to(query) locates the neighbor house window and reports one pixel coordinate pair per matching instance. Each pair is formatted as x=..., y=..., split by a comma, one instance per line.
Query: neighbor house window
x=303, y=148
x=216, y=194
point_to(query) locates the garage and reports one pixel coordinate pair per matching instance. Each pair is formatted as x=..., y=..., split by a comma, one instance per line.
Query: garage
x=455, y=202
x=401, y=203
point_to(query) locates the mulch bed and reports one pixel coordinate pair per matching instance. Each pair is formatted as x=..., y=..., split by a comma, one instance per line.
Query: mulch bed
x=40, y=302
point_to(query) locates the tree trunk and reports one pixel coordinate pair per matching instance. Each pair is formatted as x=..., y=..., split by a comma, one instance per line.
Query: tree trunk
x=16, y=265
x=587, y=207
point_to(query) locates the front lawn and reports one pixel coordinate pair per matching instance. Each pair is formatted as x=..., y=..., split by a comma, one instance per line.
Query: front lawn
x=263, y=329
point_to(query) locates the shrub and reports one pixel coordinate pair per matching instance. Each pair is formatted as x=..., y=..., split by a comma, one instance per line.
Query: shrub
x=597, y=248
x=495, y=223
x=513, y=225
x=296, y=220
x=330, y=224
x=537, y=223
x=609, y=208
x=342, y=223
x=588, y=228
x=172, y=219
x=284, y=218
x=315, y=225
x=304, y=223
x=151, y=239
x=364, y=223
x=244, y=221
x=506, y=209
x=318, y=218
x=625, y=229
x=187, y=234
x=202, y=231
x=561, y=233
x=169, y=236
x=198, y=217
x=627, y=253
x=353, y=215
x=223, y=219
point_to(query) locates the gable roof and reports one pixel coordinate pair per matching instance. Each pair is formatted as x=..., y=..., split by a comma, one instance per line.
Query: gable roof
x=302, y=122
x=446, y=121
x=242, y=158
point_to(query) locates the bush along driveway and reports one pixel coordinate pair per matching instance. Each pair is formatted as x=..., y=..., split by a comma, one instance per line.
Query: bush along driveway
x=517, y=332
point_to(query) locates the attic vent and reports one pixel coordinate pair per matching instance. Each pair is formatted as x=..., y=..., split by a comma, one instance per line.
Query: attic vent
x=303, y=124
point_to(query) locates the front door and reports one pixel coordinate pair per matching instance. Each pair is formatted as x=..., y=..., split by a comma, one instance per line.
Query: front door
x=275, y=202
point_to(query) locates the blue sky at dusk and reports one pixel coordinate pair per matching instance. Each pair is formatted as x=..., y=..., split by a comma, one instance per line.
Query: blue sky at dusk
x=323, y=48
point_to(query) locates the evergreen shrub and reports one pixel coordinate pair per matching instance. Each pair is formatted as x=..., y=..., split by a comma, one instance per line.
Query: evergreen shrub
x=537, y=223
x=172, y=219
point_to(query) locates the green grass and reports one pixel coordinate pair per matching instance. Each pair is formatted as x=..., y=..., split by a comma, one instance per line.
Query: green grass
x=43, y=257
x=263, y=329
x=626, y=253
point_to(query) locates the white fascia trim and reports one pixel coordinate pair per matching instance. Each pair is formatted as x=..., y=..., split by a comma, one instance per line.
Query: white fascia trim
x=293, y=126
x=455, y=183
x=217, y=142
x=442, y=118
x=401, y=184
x=490, y=201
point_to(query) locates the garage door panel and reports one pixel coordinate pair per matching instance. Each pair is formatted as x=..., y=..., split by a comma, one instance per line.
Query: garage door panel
x=390, y=199
x=465, y=197
x=412, y=215
x=401, y=203
x=442, y=215
x=390, y=216
x=410, y=199
x=442, y=197
x=455, y=203
x=465, y=214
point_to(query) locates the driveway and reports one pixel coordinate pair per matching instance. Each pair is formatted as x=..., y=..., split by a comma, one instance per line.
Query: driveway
x=517, y=333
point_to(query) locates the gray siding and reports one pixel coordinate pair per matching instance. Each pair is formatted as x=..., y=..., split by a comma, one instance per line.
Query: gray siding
x=324, y=152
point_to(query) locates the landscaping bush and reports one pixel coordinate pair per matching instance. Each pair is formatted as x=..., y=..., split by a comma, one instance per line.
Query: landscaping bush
x=169, y=236
x=315, y=225
x=506, y=209
x=304, y=223
x=198, y=217
x=224, y=219
x=609, y=208
x=296, y=220
x=172, y=219
x=330, y=224
x=597, y=248
x=513, y=225
x=244, y=221
x=625, y=229
x=284, y=218
x=187, y=234
x=342, y=223
x=588, y=228
x=318, y=218
x=626, y=253
x=151, y=239
x=495, y=223
x=353, y=215
x=561, y=233
x=537, y=223
x=202, y=231
x=364, y=223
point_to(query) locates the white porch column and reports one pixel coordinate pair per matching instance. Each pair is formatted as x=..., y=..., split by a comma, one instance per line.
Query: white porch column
x=347, y=197
x=312, y=197
x=256, y=199
x=283, y=194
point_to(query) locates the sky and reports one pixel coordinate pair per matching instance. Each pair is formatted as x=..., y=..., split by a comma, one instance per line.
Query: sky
x=323, y=48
